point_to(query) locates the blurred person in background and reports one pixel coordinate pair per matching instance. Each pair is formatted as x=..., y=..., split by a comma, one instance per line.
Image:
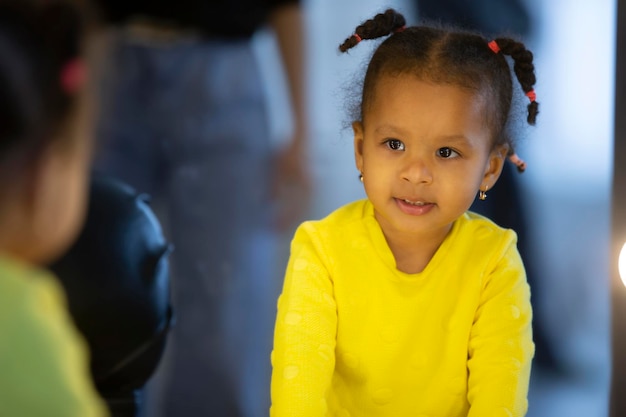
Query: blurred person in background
x=44, y=159
x=183, y=118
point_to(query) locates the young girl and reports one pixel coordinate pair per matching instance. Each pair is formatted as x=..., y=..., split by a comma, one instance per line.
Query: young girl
x=406, y=304
x=44, y=159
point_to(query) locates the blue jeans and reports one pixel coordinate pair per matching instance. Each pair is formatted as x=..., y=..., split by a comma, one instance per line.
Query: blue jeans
x=185, y=121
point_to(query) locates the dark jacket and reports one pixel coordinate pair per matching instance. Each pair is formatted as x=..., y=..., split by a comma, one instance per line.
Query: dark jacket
x=215, y=18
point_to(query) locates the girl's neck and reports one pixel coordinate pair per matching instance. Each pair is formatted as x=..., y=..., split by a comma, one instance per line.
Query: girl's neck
x=413, y=252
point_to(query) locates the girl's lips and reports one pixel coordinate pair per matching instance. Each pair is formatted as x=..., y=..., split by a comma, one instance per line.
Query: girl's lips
x=414, y=209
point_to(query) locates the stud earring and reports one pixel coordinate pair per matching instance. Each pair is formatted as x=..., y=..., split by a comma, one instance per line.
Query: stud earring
x=361, y=177
x=482, y=195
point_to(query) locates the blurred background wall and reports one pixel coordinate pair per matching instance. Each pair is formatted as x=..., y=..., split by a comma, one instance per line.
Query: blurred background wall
x=565, y=190
x=569, y=193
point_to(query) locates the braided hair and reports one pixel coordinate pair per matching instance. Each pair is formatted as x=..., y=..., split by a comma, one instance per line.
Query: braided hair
x=37, y=41
x=448, y=55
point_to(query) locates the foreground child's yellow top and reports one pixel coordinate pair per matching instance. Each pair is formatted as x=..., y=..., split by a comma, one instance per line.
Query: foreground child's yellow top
x=356, y=337
x=44, y=364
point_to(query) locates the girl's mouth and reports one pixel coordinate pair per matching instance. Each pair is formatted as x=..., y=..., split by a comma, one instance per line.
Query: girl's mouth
x=414, y=203
x=414, y=207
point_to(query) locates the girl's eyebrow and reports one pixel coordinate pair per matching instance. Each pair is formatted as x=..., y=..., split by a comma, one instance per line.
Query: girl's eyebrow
x=461, y=139
x=454, y=138
x=387, y=129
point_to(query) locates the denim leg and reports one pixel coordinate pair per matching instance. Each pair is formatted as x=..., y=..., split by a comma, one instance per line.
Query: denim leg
x=187, y=123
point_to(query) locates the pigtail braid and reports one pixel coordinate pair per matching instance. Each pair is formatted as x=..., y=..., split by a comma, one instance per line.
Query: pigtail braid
x=524, y=71
x=39, y=39
x=381, y=25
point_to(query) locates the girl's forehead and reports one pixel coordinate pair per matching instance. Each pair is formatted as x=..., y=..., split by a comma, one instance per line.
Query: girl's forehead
x=411, y=82
x=425, y=108
x=426, y=95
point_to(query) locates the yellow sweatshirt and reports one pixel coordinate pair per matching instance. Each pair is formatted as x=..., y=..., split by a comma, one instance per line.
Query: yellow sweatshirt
x=356, y=337
x=44, y=368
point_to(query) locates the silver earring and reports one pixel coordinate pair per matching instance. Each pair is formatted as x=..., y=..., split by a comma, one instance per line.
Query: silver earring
x=482, y=195
x=361, y=177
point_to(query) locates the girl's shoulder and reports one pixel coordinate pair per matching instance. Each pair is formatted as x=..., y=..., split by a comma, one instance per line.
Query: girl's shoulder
x=27, y=289
x=346, y=222
x=477, y=233
x=477, y=224
x=19, y=279
x=342, y=217
x=34, y=317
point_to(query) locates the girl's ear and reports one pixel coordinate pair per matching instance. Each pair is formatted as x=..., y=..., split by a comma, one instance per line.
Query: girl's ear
x=494, y=167
x=357, y=127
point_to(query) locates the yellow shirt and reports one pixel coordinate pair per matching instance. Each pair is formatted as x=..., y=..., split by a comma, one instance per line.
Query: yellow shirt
x=356, y=337
x=44, y=369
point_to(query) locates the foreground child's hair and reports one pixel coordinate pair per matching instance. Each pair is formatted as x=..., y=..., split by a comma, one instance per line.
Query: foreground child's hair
x=39, y=70
x=463, y=59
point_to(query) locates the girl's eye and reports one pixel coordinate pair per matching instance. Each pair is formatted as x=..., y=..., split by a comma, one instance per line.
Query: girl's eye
x=395, y=144
x=446, y=153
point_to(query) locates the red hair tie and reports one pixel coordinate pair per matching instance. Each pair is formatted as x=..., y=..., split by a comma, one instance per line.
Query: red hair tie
x=358, y=38
x=532, y=96
x=72, y=76
x=400, y=29
x=493, y=45
x=519, y=163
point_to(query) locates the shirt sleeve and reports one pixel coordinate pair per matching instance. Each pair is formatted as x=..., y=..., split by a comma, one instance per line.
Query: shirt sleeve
x=303, y=359
x=46, y=360
x=501, y=346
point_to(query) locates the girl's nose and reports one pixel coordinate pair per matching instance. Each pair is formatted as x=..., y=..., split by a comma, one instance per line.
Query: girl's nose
x=417, y=171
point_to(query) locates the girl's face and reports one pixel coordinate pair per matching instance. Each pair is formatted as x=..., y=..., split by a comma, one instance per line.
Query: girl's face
x=54, y=215
x=63, y=198
x=64, y=194
x=424, y=151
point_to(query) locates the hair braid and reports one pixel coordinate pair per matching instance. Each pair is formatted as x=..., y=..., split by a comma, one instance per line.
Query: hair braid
x=381, y=25
x=40, y=39
x=524, y=70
